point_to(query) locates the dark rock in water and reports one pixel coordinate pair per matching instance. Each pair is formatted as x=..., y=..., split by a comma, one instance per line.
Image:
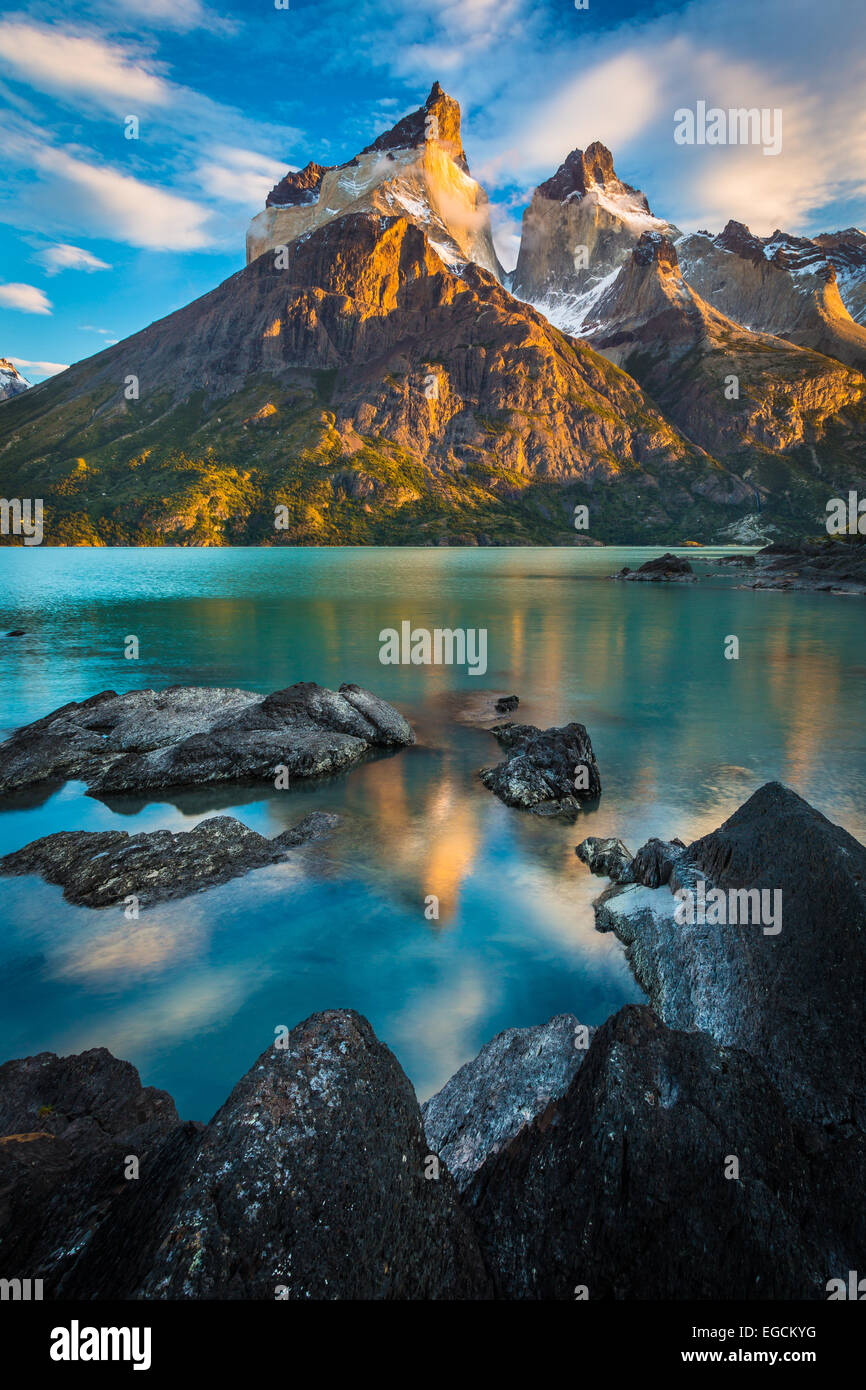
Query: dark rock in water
x=540, y=771
x=793, y=997
x=506, y=703
x=606, y=856
x=311, y=1179
x=69, y=1214
x=662, y=569
x=511, y=1081
x=148, y=740
x=620, y=1187
x=100, y=868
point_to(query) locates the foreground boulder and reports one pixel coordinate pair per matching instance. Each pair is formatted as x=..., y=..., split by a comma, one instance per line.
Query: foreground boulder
x=511, y=1081
x=314, y=1180
x=100, y=868
x=549, y=772
x=71, y=1212
x=147, y=740
x=624, y=1187
x=310, y=1183
x=789, y=988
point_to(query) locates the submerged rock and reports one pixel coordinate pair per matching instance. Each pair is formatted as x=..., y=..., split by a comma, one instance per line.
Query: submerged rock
x=147, y=740
x=100, y=868
x=511, y=1081
x=663, y=569
x=625, y=1188
x=606, y=856
x=542, y=768
x=790, y=990
x=310, y=1183
x=506, y=703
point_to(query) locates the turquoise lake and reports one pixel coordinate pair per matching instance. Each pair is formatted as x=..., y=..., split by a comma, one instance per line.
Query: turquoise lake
x=192, y=991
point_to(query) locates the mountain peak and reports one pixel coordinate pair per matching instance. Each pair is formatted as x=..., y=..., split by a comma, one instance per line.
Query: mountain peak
x=655, y=249
x=12, y=383
x=585, y=170
x=438, y=119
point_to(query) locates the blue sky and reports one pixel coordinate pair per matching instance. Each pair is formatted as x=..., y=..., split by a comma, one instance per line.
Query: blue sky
x=100, y=235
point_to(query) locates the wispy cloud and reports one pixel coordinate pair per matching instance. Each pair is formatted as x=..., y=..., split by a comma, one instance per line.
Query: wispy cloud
x=28, y=298
x=55, y=60
x=62, y=256
x=31, y=369
x=107, y=203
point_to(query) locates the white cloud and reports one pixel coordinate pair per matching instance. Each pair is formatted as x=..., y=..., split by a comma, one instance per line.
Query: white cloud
x=40, y=369
x=27, y=298
x=61, y=256
x=121, y=207
x=54, y=60
x=239, y=176
x=179, y=15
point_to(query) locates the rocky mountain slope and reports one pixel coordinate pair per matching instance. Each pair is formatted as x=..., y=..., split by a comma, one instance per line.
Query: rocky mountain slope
x=12, y=383
x=778, y=284
x=367, y=378
x=846, y=252
x=790, y=421
x=372, y=393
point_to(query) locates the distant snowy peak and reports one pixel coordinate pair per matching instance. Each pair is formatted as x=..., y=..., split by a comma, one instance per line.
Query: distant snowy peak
x=417, y=170
x=12, y=383
x=589, y=170
x=581, y=226
x=847, y=252
x=811, y=291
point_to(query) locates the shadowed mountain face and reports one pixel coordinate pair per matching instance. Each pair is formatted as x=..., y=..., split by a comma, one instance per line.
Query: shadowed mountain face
x=367, y=379
x=785, y=417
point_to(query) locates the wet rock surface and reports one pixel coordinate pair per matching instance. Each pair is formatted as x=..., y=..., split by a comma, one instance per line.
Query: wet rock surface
x=792, y=998
x=147, y=740
x=541, y=768
x=511, y=1081
x=311, y=1178
x=619, y=1188
x=103, y=867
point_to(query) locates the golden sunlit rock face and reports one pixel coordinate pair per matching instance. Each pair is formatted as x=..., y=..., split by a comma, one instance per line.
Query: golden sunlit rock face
x=418, y=170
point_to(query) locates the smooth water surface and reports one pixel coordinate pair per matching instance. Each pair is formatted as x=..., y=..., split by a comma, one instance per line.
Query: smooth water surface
x=192, y=991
